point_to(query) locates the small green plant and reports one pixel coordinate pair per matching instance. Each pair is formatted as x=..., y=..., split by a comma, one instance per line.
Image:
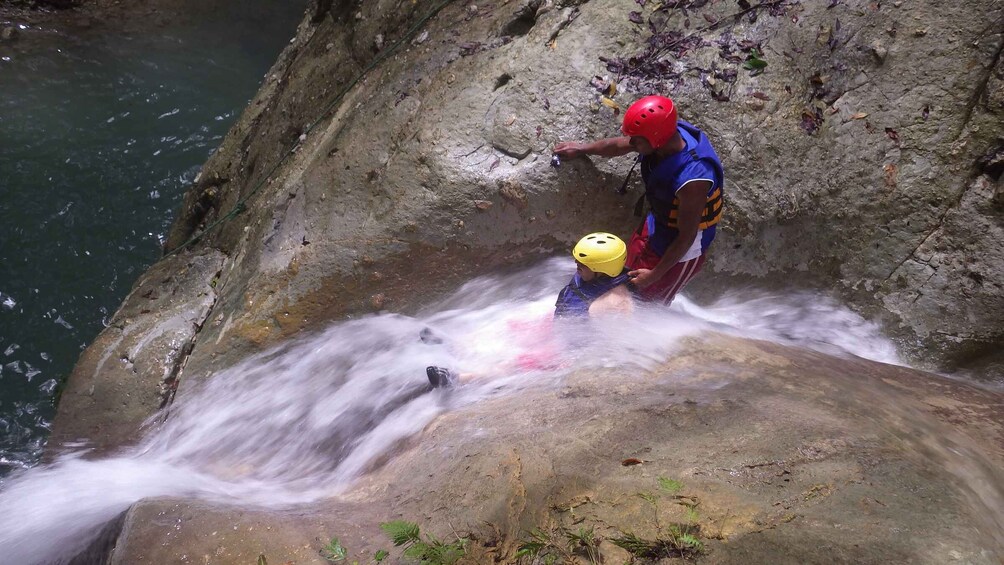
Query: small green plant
x=678, y=540
x=547, y=547
x=692, y=514
x=670, y=485
x=334, y=551
x=754, y=63
x=649, y=498
x=584, y=541
x=428, y=550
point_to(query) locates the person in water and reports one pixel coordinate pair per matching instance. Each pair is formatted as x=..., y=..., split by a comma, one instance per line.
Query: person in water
x=600, y=286
x=683, y=179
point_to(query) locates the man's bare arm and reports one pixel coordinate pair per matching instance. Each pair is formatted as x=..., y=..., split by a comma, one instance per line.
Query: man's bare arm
x=608, y=147
x=693, y=197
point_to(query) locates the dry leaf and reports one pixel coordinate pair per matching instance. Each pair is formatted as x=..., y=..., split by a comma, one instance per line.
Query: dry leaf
x=890, y=175
x=760, y=95
x=631, y=461
x=859, y=116
x=893, y=134
x=609, y=103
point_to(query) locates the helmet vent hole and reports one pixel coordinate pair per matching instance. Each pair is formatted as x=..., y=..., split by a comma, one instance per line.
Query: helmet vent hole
x=582, y=254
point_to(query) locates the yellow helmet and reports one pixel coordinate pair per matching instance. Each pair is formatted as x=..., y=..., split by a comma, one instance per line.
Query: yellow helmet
x=602, y=253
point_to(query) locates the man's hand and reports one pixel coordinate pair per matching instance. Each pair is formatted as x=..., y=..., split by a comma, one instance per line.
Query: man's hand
x=642, y=278
x=568, y=149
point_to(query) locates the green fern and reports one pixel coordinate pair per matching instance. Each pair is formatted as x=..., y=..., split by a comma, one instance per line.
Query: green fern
x=402, y=532
x=690, y=542
x=669, y=485
x=692, y=514
x=650, y=498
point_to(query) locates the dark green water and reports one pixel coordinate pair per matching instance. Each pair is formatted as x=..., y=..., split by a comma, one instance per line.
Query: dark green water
x=99, y=137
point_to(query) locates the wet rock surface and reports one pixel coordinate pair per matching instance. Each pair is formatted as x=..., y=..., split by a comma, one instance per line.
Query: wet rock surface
x=131, y=370
x=781, y=452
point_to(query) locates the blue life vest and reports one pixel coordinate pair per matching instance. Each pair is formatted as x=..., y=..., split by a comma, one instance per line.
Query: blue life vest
x=671, y=172
x=578, y=295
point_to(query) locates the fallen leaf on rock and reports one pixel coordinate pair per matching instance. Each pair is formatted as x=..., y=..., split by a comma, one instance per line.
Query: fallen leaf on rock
x=926, y=112
x=893, y=134
x=511, y=120
x=711, y=19
x=631, y=461
x=859, y=116
x=811, y=121
x=482, y=204
x=818, y=79
x=635, y=17
x=890, y=175
x=760, y=95
x=494, y=164
x=610, y=103
x=540, y=130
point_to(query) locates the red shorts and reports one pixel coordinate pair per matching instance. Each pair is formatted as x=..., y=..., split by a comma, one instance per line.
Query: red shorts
x=664, y=290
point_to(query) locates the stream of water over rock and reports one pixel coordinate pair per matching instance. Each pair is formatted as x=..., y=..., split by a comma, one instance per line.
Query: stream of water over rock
x=299, y=422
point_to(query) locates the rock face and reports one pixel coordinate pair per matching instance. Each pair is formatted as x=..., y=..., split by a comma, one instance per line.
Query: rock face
x=865, y=128
x=781, y=453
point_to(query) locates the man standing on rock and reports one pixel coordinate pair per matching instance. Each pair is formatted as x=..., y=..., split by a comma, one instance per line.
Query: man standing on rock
x=683, y=185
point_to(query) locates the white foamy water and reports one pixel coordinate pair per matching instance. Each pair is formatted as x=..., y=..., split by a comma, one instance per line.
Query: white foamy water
x=301, y=421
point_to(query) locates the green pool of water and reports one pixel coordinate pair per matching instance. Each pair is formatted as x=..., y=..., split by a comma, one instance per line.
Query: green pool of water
x=100, y=134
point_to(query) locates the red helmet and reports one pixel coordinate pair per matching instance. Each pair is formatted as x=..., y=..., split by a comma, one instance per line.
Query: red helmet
x=652, y=117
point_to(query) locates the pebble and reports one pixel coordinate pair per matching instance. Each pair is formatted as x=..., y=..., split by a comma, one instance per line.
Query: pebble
x=8, y=33
x=879, y=51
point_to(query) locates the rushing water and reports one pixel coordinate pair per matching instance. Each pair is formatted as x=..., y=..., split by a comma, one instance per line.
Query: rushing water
x=301, y=421
x=99, y=135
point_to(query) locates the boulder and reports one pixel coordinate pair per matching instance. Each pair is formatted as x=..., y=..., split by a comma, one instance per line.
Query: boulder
x=131, y=370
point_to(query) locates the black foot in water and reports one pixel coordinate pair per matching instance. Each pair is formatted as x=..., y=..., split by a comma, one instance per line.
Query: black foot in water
x=441, y=377
x=429, y=337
